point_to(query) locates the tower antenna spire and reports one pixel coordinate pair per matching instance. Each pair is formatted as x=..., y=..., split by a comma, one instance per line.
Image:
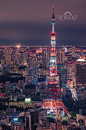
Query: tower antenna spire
x=53, y=9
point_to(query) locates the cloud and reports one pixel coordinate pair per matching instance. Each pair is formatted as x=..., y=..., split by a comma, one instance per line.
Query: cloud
x=30, y=21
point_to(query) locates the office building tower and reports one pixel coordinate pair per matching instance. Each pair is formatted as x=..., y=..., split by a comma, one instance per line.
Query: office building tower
x=61, y=56
x=73, y=51
x=62, y=72
x=28, y=120
x=71, y=70
x=8, y=56
x=81, y=73
x=32, y=68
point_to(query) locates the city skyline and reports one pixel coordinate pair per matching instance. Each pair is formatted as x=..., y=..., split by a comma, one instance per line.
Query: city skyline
x=42, y=76
x=28, y=22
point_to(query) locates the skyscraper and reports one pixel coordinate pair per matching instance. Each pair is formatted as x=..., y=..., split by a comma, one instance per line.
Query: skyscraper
x=81, y=73
x=53, y=101
x=32, y=68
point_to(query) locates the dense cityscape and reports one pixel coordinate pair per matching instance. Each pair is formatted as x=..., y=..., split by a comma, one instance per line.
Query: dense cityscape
x=43, y=87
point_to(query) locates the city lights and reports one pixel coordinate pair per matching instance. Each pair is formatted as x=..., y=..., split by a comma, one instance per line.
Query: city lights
x=42, y=72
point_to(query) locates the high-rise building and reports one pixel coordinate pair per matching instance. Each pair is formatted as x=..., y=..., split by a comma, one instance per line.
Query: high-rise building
x=43, y=66
x=25, y=57
x=32, y=68
x=53, y=101
x=17, y=126
x=8, y=56
x=1, y=57
x=81, y=73
x=71, y=70
x=62, y=72
x=73, y=51
x=28, y=120
x=61, y=56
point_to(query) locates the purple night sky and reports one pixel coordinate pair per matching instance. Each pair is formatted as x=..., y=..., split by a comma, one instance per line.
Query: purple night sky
x=29, y=22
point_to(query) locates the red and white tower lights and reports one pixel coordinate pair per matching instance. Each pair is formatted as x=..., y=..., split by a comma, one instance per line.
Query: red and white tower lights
x=53, y=60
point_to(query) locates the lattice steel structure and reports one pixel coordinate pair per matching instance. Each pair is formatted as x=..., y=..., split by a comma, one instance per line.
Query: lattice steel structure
x=52, y=100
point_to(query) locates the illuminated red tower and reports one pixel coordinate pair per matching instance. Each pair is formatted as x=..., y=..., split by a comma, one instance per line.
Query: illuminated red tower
x=52, y=100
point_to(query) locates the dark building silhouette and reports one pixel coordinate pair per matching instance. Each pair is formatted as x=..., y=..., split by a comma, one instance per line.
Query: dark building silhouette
x=81, y=73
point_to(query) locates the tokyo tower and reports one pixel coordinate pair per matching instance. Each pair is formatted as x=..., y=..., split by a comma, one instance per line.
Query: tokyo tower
x=52, y=100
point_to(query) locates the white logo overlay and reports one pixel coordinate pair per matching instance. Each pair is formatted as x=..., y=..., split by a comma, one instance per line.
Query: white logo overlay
x=67, y=16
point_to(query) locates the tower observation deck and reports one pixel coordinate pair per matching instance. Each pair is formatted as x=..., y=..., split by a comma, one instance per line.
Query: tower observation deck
x=52, y=100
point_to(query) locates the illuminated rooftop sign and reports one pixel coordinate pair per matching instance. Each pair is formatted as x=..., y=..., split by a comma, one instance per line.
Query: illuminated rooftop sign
x=27, y=100
x=81, y=60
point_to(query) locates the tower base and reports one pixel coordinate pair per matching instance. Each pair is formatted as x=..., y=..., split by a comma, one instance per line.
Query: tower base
x=55, y=106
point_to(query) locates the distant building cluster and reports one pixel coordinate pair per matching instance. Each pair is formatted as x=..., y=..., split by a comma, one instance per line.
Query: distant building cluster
x=23, y=72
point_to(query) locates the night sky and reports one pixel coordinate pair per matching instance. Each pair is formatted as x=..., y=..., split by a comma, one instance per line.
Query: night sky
x=29, y=22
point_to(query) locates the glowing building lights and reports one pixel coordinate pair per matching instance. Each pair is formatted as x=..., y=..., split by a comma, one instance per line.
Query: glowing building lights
x=81, y=60
x=53, y=101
